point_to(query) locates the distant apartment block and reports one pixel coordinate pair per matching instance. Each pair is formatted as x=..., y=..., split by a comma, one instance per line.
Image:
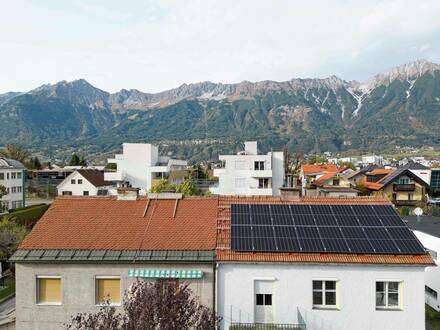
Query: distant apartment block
x=12, y=177
x=140, y=165
x=250, y=174
x=373, y=159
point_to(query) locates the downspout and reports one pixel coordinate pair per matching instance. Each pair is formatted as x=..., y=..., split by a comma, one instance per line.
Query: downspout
x=215, y=289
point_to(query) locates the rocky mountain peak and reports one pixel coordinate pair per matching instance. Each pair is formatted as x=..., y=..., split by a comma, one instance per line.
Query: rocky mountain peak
x=405, y=72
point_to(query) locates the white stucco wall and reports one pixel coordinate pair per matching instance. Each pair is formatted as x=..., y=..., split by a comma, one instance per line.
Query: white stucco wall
x=273, y=169
x=432, y=274
x=77, y=189
x=9, y=183
x=138, y=165
x=425, y=175
x=293, y=289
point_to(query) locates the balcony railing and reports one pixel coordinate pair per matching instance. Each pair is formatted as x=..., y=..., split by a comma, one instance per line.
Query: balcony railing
x=404, y=187
x=265, y=326
x=403, y=202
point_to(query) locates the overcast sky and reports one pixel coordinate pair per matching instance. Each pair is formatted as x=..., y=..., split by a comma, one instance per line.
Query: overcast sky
x=158, y=45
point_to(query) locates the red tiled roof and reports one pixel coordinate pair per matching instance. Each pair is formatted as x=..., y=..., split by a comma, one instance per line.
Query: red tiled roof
x=225, y=254
x=380, y=171
x=95, y=223
x=373, y=185
x=322, y=179
x=318, y=168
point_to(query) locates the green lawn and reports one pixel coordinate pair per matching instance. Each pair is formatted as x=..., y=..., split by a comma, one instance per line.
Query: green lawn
x=8, y=290
x=432, y=317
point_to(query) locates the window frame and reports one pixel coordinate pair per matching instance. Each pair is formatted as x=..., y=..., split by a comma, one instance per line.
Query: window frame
x=323, y=290
x=72, y=181
x=79, y=181
x=265, y=296
x=86, y=193
x=37, y=290
x=108, y=277
x=387, y=307
x=259, y=165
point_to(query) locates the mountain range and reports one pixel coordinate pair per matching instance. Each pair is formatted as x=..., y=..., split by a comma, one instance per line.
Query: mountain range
x=400, y=107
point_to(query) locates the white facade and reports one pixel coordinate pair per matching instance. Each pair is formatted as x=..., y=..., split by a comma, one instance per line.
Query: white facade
x=250, y=174
x=373, y=159
x=77, y=185
x=432, y=274
x=140, y=164
x=12, y=177
x=291, y=287
x=425, y=175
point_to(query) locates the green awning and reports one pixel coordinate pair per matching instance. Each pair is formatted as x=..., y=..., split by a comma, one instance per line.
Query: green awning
x=165, y=273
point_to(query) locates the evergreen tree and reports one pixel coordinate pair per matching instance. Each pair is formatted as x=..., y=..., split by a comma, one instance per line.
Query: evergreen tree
x=74, y=161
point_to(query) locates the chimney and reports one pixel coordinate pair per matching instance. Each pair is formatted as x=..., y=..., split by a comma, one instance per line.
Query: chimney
x=250, y=147
x=127, y=194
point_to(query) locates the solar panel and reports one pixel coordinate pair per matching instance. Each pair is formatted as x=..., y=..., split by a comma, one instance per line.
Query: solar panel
x=321, y=228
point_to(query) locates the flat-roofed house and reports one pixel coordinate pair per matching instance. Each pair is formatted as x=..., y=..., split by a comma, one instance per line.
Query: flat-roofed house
x=86, y=248
x=12, y=177
x=318, y=263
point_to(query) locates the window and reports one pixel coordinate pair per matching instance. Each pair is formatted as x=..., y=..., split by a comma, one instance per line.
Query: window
x=18, y=175
x=67, y=193
x=324, y=294
x=49, y=290
x=259, y=165
x=80, y=181
x=404, y=180
x=394, y=196
x=410, y=196
x=73, y=181
x=85, y=193
x=240, y=183
x=431, y=292
x=2, y=176
x=13, y=175
x=240, y=165
x=263, y=299
x=387, y=295
x=336, y=182
x=108, y=289
x=13, y=190
x=7, y=176
x=102, y=192
x=263, y=183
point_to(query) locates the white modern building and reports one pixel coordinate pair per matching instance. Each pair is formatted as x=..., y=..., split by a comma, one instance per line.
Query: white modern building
x=372, y=159
x=263, y=277
x=427, y=230
x=140, y=165
x=12, y=177
x=85, y=182
x=249, y=173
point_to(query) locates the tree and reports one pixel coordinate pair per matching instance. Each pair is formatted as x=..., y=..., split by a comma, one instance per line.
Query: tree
x=3, y=191
x=187, y=188
x=162, y=185
x=74, y=160
x=347, y=164
x=15, y=151
x=11, y=234
x=83, y=161
x=161, y=305
x=34, y=164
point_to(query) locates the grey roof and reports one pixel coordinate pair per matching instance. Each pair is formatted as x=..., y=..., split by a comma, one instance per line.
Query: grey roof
x=403, y=170
x=10, y=163
x=113, y=256
x=414, y=166
x=429, y=225
x=363, y=170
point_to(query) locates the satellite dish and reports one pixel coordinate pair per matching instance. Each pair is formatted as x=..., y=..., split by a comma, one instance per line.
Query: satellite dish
x=418, y=211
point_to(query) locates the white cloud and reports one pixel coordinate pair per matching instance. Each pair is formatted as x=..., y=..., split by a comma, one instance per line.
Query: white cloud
x=156, y=45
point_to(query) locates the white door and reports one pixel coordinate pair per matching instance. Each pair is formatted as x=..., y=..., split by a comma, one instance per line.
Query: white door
x=263, y=301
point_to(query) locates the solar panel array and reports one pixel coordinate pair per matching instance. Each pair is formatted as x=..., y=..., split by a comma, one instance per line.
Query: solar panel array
x=321, y=228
